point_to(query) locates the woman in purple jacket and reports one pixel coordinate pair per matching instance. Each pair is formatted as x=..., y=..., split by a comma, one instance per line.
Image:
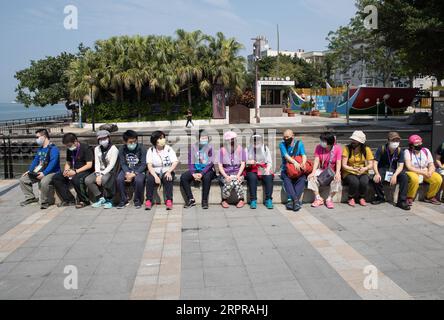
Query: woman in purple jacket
x=201, y=169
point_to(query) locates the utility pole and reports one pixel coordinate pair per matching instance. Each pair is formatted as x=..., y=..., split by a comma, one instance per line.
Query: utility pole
x=348, y=102
x=257, y=58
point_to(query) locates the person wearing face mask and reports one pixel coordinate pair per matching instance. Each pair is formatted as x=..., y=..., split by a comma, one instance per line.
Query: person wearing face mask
x=101, y=183
x=389, y=168
x=357, y=160
x=200, y=169
x=162, y=161
x=290, y=147
x=132, y=159
x=79, y=162
x=327, y=155
x=259, y=167
x=45, y=165
x=439, y=159
x=421, y=168
x=232, y=161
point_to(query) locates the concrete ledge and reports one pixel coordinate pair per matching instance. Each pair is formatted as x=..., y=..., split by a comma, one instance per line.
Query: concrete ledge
x=279, y=195
x=162, y=124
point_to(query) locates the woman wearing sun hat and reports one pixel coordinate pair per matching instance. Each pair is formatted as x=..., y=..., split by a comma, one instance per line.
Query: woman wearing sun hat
x=232, y=162
x=421, y=168
x=357, y=160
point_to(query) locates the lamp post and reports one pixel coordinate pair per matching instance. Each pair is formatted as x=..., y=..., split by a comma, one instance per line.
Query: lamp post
x=348, y=102
x=257, y=58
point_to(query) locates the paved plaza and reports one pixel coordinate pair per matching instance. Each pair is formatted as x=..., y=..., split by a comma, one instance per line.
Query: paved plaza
x=220, y=254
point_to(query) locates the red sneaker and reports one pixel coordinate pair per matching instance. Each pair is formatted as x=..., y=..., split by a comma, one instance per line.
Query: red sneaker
x=148, y=205
x=169, y=204
x=240, y=204
x=363, y=203
x=225, y=205
x=410, y=201
x=352, y=203
x=433, y=201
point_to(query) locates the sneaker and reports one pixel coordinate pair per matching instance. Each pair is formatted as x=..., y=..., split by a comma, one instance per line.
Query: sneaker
x=99, y=203
x=289, y=205
x=240, y=204
x=108, y=205
x=44, y=206
x=378, y=201
x=409, y=202
x=82, y=205
x=137, y=205
x=122, y=205
x=269, y=204
x=362, y=202
x=28, y=202
x=191, y=203
x=318, y=203
x=66, y=204
x=297, y=206
x=205, y=205
x=169, y=205
x=403, y=206
x=329, y=204
x=225, y=204
x=148, y=205
x=433, y=201
x=352, y=202
x=253, y=204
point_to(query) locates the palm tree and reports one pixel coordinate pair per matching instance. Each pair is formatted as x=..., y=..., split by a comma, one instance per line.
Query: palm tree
x=191, y=50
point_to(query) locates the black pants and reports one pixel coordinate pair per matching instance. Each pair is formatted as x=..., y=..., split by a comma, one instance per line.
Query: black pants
x=253, y=181
x=187, y=178
x=63, y=184
x=357, y=186
x=151, y=186
x=402, y=181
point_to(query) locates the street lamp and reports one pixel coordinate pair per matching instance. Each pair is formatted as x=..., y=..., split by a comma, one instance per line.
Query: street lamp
x=348, y=101
x=257, y=58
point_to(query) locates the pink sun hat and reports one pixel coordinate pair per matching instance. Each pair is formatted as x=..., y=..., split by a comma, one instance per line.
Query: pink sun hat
x=230, y=135
x=415, y=139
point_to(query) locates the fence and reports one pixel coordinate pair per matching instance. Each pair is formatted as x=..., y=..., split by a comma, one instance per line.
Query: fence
x=28, y=125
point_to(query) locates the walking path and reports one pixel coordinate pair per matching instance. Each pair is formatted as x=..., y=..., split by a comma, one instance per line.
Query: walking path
x=221, y=254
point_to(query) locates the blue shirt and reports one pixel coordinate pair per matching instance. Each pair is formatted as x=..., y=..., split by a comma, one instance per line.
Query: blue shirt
x=289, y=151
x=54, y=160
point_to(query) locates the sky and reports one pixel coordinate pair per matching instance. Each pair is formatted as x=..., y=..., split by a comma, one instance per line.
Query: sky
x=33, y=29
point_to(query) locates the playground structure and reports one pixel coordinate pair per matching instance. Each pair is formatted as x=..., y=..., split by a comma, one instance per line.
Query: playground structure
x=360, y=101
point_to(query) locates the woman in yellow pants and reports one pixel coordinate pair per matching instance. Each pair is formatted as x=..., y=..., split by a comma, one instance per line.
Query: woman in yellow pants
x=421, y=168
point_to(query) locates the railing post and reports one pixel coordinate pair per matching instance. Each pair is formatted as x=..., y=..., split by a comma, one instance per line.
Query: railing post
x=5, y=160
x=11, y=169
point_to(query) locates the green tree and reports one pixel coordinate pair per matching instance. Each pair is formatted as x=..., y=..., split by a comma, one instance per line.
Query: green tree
x=44, y=82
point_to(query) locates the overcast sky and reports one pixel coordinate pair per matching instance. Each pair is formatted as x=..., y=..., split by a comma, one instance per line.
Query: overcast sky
x=33, y=29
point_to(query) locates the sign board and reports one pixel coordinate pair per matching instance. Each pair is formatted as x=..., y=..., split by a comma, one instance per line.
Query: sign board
x=438, y=124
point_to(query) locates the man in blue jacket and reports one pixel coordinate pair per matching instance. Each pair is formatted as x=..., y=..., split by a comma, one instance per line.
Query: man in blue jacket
x=45, y=165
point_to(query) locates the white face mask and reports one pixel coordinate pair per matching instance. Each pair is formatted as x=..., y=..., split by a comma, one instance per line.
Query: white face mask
x=73, y=148
x=323, y=144
x=394, y=145
x=40, y=141
x=104, y=143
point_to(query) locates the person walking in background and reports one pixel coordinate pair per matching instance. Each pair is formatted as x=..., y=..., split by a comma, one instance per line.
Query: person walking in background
x=132, y=159
x=200, y=169
x=290, y=147
x=101, y=183
x=78, y=166
x=389, y=168
x=326, y=170
x=440, y=165
x=189, y=118
x=45, y=165
x=162, y=161
x=421, y=168
x=357, y=160
x=232, y=160
x=259, y=168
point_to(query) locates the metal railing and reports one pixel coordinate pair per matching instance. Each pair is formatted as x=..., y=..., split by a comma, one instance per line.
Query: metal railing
x=28, y=125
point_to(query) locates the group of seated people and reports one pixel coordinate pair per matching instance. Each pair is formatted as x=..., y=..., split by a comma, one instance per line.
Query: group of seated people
x=104, y=170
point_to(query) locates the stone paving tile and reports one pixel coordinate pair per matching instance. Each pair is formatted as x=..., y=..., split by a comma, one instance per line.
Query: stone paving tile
x=281, y=290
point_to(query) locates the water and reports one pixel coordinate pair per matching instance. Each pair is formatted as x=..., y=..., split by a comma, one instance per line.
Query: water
x=13, y=111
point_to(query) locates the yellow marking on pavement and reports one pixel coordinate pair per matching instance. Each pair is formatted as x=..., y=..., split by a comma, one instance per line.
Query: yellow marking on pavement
x=158, y=277
x=17, y=236
x=344, y=259
x=428, y=213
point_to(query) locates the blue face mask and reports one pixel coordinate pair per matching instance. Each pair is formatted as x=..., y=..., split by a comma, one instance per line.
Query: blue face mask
x=132, y=146
x=203, y=143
